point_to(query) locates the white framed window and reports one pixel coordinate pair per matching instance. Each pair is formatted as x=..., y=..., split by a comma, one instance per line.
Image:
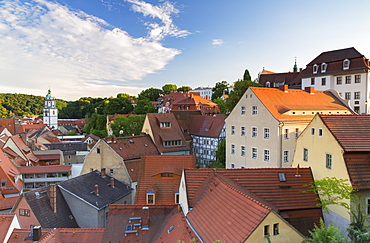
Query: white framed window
x=328, y=160
x=315, y=68
x=232, y=130
x=232, y=166
x=305, y=154
x=296, y=133
x=348, y=79
x=266, y=155
x=286, y=156
x=312, y=81
x=254, y=110
x=312, y=131
x=323, y=67
x=242, y=131
x=367, y=206
x=242, y=151
x=254, y=153
x=266, y=133
x=150, y=197
x=165, y=124
x=346, y=63
x=254, y=132
x=356, y=95
x=347, y=95
x=286, y=133
x=242, y=110
x=357, y=79
x=323, y=81
x=268, y=85
x=320, y=132
x=232, y=148
x=339, y=80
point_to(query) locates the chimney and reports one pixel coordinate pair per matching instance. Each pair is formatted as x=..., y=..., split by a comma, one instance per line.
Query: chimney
x=103, y=173
x=53, y=197
x=310, y=90
x=36, y=233
x=145, y=216
x=112, y=182
x=300, y=70
x=23, y=136
x=284, y=88
x=96, y=190
x=297, y=172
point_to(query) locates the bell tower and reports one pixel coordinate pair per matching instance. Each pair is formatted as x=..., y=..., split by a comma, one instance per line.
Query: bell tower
x=50, y=111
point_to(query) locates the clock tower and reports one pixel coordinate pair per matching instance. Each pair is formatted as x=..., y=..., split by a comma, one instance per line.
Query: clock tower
x=50, y=111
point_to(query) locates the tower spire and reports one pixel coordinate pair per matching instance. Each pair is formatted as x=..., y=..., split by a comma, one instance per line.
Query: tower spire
x=295, y=68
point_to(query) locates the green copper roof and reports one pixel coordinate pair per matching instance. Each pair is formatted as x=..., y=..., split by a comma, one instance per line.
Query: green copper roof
x=49, y=95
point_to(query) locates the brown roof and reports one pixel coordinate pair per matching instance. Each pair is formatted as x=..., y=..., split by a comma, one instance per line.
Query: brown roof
x=44, y=169
x=166, y=134
x=336, y=55
x=164, y=187
x=132, y=147
x=206, y=126
x=5, y=222
x=225, y=213
x=286, y=78
x=26, y=127
x=8, y=174
x=279, y=102
x=358, y=166
x=26, y=151
x=59, y=235
x=9, y=124
x=158, y=218
x=351, y=131
x=7, y=202
x=133, y=167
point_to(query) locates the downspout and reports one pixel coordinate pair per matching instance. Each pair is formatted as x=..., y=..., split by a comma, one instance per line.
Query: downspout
x=268, y=238
x=281, y=124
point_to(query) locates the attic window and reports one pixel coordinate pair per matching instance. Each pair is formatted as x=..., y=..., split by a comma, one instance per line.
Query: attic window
x=177, y=197
x=346, y=64
x=166, y=175
x=315, y=67
x=282, y=177
x=172, y=143
x=323, y=67
x=150, y=197
x=165, y=125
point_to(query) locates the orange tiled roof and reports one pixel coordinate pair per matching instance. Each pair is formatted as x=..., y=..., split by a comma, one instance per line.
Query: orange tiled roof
x=358, y=166
x=164, y=187
x=5, y=222
x=207, y=126
x=26, y=127
x=7, y=202
x=44, y=169
x=26, y=151
x=280, y=103
x=9, y=124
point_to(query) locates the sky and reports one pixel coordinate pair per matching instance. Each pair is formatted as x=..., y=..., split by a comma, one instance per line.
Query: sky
x=99, y=48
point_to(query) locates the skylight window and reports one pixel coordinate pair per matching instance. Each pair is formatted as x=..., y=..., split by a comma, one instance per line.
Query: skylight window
x=282, y=177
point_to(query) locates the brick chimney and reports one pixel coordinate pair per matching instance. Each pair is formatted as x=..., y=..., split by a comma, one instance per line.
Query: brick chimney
x=284, y=88
x=112, y=182
x=103, y=172
x=310, y=90
x=145, y=216
x=36, y=233
x=96, y=190
x=53, y=197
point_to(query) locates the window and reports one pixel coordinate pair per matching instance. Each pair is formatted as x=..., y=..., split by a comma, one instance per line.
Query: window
x=268, y=85
x=296, y=133
x=367, y=203
x=242, y=111
x=312, y=81
x=24, y=212
x=266, y=133
x=254, y=153
x=150, y=197
x=266, y=155
x=2, y=184
x=315, y=67
x=328, y=161
x=232, y=130
x=254, y=110
x=339, y=80
x=242, y=151
x=312, y=131
x=232, y=148
x=232, y=166
x=242, y=131
x=305, y=154
x=266, y=230
x=347, y=95
x=177, y=197
x=357, y=79
x=323, y=67
x=346, y=64
x=323, y=81
x=286, y=133
x=165, y=124
x=320, y=132
x=166, y=175
x=254, y=132
x=348, y=79
x=356, y=109
x=98, y=150
x=286, y=156
x=111, y=171
x=172, y=143
x=276, y=229
x=357, y=95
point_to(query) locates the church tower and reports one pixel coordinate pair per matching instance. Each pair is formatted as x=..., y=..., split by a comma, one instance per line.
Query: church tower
x=50, y=111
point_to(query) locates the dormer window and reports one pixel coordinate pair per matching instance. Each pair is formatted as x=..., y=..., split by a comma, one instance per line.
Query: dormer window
x=177, y=197
x=172, y=143
x=165, y=125
x=268, y=84
x=346, y=64
x=323, y=67
x=150, y=197
x=315, y=67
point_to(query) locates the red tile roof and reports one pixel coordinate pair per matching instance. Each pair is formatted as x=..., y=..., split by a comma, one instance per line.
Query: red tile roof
x=7, y=202
x=279, y=103
x=5, y=222
x=351, y=131
x=25, y=150
x=26, y=127
x=133, y=167
x=196, y=102
x=358, y=166
x=206, y=126
x=163, y=187
x=225, y=213
x=9, y=124
x=44, y=169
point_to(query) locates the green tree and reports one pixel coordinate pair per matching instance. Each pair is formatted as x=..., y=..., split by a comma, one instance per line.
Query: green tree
x=240, y=87
x=220, y=89
x=184, y=89
x=127, y=126
x=247, y=76
x=221, y=104
x=152, y=94
x=323, y=234
x=96, y=124
x=123, y=95
x=168, y=88
x=144, y=106
x=118, y=106
x=220, y=156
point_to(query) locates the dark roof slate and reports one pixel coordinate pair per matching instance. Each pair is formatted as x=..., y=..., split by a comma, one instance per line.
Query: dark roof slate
x=207, y=126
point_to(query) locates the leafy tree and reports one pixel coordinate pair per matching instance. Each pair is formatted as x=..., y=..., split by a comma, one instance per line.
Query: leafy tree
x=152, y=94
x=118, y=106
x=168, y=88
x=220, y=156
x=127, y=126
x=123, y=95
x=240, y=87
x=323, y=234
x=220, y=89
x=247, y=76
x=144, y=106
x=221, y=104
x=96, y=124
x=184, y=89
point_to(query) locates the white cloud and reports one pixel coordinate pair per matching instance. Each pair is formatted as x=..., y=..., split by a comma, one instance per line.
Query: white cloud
x=217, y=42
x=44, y=44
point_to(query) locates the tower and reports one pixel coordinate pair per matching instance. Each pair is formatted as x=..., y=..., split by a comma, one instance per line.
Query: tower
x=50, y=111
x=295, y=67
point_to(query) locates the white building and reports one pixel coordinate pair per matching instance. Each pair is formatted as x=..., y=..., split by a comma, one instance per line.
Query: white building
x=50, y=111
x=205, y=93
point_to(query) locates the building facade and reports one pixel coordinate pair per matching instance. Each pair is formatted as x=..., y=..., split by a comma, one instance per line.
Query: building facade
x=50, y=117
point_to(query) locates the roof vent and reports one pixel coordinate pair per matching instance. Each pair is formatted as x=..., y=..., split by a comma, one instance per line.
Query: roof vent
x=146, y=145
x=120, y=148
x=170, y=229
x=131, y=141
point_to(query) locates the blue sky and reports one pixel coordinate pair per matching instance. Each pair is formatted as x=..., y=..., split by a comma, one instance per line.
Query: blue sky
x=99, y=48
